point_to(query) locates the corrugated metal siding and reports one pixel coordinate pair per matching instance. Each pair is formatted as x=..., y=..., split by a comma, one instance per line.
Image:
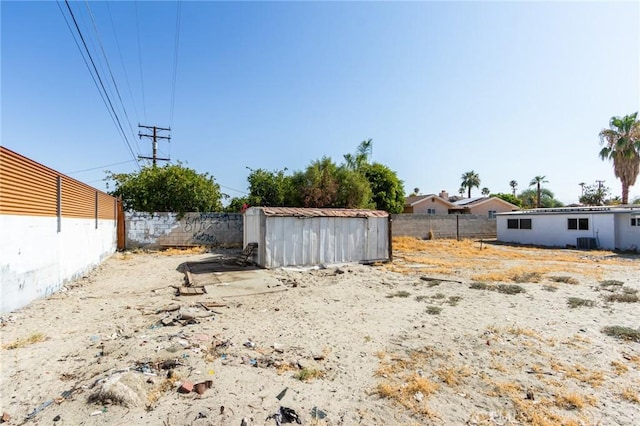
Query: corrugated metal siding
x=26, y=187
x=77, y=201
x=106, y=206
x=295, y=241
x=29, y=188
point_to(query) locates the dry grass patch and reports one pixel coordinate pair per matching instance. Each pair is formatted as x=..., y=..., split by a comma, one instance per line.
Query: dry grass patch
x=433, y=310
x=403, y=381
x=579, y=373
x=611, y=283
x=573, y=401
x=180, y=251
x=453, y=376
x=564, y=279
x=622, y=298
x=308, y=374
x=619, y=368
x=576, y=302
x=401, y=293
x=21, y=343
x=622, y=333
x=631, y=395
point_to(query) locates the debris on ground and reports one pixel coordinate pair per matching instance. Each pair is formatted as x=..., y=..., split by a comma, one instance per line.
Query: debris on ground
x=285, y=415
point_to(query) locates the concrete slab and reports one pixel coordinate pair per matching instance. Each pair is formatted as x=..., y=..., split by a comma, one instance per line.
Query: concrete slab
x=224, y=278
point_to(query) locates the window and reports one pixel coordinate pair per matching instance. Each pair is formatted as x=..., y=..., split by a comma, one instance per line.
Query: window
x=492, y=214
x=518, y=223
x=579, y=224
x=635, y=221
x=431, y=211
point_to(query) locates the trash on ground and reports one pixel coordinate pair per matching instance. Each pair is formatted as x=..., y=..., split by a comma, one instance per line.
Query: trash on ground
x=318, y=414
x=281, y=394
x=201, y=388
x=285, y=415
x=39, y=408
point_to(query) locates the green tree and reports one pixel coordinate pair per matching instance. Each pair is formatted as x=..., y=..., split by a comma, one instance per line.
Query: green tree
x=354, y=190
x=387, y=189
x=622, y=145
x=509, y=198
x=538, y=181
x=237, y=205
x=529, y=198
x=595, y=195
x=171, y=188
x=636, y=201
x=470, y=180
x=269, y=188
x=514, y=185
x=485, y=191
x=318, y=184
x=361, y=157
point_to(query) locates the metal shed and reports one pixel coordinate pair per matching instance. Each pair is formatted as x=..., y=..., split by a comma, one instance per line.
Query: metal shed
x=308, y=237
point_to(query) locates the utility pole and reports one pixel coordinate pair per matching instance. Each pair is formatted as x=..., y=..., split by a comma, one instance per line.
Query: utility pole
x=154, y=141
x=599, y=182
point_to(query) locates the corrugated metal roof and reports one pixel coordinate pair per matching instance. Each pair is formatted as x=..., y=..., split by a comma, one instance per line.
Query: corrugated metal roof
x=302, y=212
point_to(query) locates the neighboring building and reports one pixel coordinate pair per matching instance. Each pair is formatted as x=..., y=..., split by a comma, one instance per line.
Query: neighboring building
x=427, y=204
x=485, y=206
x=611, y=228
x=308, y=237
x=443, y=204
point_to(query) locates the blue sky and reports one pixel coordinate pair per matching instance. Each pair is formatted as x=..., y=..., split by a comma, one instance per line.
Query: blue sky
x=508, y=89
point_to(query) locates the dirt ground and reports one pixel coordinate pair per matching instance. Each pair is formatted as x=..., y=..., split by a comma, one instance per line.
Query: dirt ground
x=449, y=333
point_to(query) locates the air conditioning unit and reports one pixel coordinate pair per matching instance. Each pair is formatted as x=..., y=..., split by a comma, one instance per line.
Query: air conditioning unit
x=587, y=243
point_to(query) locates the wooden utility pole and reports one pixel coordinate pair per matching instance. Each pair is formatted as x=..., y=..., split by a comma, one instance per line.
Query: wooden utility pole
x=154, y=141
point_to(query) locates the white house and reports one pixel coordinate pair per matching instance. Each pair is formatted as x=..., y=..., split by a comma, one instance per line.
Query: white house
x=306, y=237
x=610, y=228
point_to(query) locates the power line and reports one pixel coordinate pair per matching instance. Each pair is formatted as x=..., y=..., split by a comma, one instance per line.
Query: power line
x=144, y=103
x=100, y=167
x=103, y=94
x=106, y=59
x=175, y=60
x=233, y=189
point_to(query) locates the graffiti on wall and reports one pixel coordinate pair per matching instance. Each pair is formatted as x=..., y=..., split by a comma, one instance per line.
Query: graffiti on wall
x=206, y=228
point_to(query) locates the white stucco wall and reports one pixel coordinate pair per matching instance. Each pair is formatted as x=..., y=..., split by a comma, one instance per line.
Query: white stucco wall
x=627, y=236
x=551, y=229
x=36, y=259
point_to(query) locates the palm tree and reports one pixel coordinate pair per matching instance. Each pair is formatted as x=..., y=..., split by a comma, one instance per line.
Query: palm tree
x=513, y=184
x=582, y=184
x=470, y=180
x=622, y=145
x=538, y=180
x=461, y=191
x=485, y=191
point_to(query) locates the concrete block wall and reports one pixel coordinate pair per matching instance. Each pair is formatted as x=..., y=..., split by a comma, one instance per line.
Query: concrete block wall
x=157, y=230
x=37, y=258
x=443, y=226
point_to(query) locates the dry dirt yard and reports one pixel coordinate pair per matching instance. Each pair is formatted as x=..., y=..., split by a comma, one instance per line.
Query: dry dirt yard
x=450, y=333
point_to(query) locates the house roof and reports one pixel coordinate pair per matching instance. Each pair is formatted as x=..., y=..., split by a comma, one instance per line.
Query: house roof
x=476, y=201
x=302, y=212
x=578, y=210
x=417, y=199
x=467, y=201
